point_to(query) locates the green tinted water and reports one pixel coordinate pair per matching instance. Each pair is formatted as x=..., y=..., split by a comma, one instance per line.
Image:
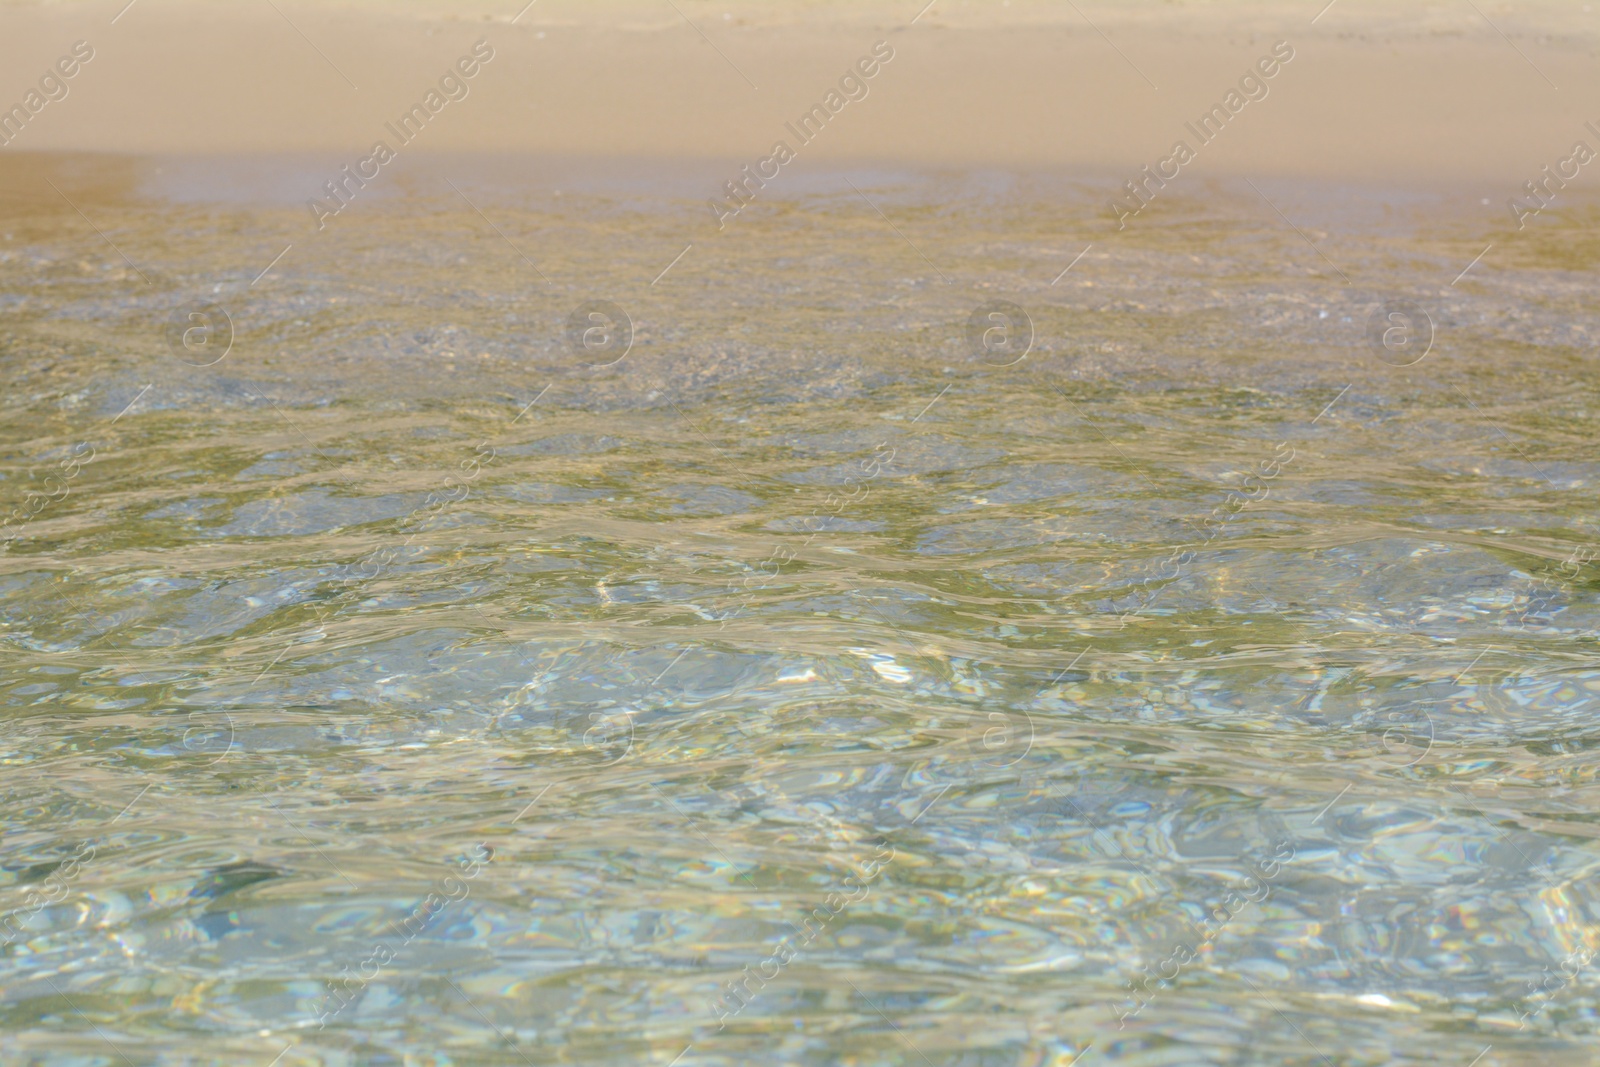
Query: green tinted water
x=413, y=686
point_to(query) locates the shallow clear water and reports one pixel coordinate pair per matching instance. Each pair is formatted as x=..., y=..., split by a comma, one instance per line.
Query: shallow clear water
x=405, y=688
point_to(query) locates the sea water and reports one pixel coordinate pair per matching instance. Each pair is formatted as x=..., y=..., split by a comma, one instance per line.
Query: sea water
x=915, y=623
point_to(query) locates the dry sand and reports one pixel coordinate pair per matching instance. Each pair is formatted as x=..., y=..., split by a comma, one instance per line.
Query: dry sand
x=1476, y=99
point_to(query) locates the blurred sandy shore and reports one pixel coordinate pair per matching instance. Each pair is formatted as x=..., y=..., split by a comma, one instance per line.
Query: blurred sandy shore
x=1441, y=94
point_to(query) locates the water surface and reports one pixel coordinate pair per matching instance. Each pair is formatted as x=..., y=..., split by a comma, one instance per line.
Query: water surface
x=410, y=686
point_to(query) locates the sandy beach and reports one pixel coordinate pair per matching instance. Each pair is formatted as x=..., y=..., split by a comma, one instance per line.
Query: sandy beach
x=1438, y=94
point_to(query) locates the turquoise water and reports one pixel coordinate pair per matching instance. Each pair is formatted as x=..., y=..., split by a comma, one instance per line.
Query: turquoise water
x=413, y=685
